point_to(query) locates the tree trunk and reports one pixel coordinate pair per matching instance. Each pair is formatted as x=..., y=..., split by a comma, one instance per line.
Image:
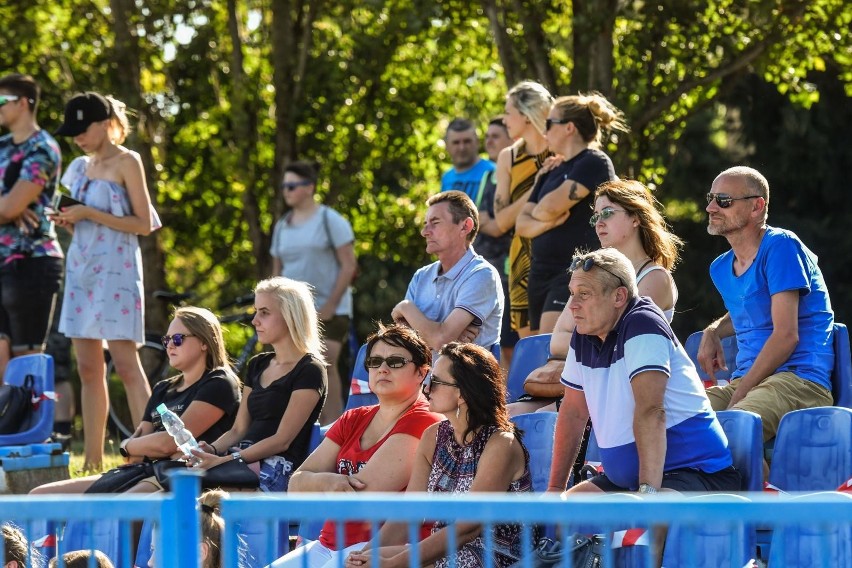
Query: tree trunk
x=537, y=44
x=593, y=25
x=126, y=57
x=504, y=44
x=244, y=126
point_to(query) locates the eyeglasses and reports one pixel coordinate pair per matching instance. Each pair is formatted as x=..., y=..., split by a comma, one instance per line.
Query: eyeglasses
x=724, y=200
x=291, y=185
x=432, y=381
x=177, y=339
x=8, y=99
x=394, y=362
x=588, y=263
x=551, y=121
x=603, y=215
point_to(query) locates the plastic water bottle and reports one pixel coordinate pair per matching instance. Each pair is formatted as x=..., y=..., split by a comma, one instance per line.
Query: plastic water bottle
x=174, y=425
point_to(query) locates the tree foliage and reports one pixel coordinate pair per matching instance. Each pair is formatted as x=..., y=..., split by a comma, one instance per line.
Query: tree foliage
x=227, y=92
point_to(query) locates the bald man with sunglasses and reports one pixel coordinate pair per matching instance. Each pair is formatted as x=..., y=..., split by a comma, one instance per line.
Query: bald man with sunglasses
x=778, y=307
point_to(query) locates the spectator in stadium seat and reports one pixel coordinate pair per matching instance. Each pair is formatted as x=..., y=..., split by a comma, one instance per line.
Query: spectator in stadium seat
x=628, y=218
x=627, y=371
x=458, y=297
x=778, y=307
x=369, y=448
x=475, y=449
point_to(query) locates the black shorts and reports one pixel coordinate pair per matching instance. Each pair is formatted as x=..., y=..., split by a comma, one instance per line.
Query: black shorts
x=686, y=480
x=508, y=336
x=547, y=292
x=28, y=289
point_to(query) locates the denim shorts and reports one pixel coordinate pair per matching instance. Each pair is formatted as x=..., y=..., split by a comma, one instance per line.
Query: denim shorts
x=275, y=474
x=28, y=288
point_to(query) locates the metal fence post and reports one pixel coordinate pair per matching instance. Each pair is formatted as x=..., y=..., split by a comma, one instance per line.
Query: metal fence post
x=180, y=533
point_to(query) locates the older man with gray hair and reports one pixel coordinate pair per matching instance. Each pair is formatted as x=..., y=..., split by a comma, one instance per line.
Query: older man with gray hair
x=627, y=371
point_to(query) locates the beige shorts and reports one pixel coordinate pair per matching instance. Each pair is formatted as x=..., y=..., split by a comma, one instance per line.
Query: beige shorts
x=774, y=397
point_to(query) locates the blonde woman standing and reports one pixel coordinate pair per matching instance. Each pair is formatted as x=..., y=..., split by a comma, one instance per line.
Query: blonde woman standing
x=527, y=105
x=104, y=296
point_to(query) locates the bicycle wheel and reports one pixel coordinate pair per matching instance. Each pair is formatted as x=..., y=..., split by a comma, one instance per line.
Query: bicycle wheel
x=155, y=363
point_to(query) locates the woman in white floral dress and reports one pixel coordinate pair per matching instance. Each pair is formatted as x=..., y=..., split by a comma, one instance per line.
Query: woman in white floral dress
x=104, y=297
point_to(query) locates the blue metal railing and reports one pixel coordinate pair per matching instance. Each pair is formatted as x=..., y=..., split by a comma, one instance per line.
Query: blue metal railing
x=176, y=514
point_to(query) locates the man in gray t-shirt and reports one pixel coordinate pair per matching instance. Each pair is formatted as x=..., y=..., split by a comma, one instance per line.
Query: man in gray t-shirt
x=458, y=297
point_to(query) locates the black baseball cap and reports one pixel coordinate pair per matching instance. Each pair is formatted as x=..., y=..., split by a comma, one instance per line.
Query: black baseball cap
x=82, y=110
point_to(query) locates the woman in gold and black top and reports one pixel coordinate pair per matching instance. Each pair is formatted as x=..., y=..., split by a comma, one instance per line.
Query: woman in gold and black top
x=527, y=105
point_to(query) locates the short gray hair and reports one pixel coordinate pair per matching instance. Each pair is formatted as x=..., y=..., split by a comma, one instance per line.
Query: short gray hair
x=613, y=265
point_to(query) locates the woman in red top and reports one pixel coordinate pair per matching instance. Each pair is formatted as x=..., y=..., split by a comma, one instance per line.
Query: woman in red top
x=370, y=448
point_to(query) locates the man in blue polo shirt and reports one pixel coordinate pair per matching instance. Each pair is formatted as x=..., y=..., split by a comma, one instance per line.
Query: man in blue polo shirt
x=468, y=168
x=458, y=297
x=627, y=371
x=778, y=307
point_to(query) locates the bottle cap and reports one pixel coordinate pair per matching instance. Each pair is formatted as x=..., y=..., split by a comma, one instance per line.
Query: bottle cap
x=161, y=408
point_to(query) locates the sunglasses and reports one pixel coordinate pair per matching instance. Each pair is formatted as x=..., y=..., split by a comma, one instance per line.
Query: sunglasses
x=177, y=339
x=603, y=215
x=551, y=121
x=724, y=200
x=588, y=263
x=8, y=99
x=432, y=381
x=291, y=185
x=394, y=362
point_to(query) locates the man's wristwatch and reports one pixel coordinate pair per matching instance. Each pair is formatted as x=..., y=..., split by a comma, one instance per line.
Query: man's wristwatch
x=648, y=489
x=237, y=455
x=122, y=448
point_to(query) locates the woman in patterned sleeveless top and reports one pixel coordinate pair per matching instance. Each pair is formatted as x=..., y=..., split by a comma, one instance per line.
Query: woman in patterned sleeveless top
x=527, y=105
x=475, y=449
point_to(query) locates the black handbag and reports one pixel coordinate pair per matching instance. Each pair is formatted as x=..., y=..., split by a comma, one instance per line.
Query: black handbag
x=233, y=474
x=16, y=404
x=121, y=478
x=585, y=551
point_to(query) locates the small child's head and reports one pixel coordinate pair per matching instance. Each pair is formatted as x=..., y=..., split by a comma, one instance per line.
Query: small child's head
x=14, y=547
x=80, y=559
x=212, y=527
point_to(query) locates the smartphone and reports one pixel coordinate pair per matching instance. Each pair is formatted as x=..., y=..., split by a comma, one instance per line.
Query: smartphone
x=62, y=200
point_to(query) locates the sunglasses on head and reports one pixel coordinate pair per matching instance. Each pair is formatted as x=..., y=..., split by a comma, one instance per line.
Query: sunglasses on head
x=394, y=362
x=551, y=121
x=724, y=200
x=588, y=263
x=291, y=185
x=603, y=215
x=177, y=339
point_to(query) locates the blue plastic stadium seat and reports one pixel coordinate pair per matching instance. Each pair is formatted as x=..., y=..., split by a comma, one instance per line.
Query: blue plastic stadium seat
x=806, y=546
x=39, y=425
x=813, y=449
x=102, y=534
x=538, y=428
x=841, y=378
x=530, y=353
x=745, y=441
x=717, y=545
x=729, y=347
